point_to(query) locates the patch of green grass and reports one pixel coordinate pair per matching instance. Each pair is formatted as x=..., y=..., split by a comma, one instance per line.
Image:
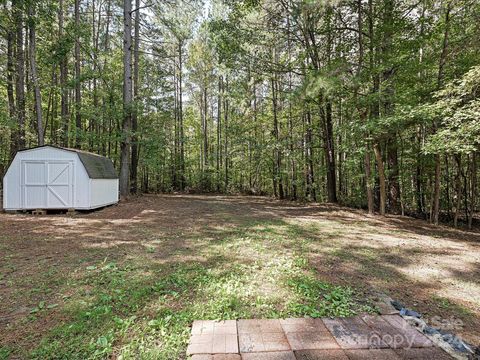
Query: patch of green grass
x=318, y=299
x=142, y=309
x=4, y=353
x=447, y=304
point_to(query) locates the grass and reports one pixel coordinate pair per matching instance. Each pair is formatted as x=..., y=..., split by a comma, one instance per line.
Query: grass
x=128, y=281
x=139, y=308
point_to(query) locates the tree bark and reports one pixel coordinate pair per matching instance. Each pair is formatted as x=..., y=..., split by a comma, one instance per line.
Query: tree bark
x=329, y=153
x=311, y=192
x=277, y=156
x=458, y=189
x=226, y=127
x=180, y=115
x=388, y=91
x=63, y=79
x=441, y=73
x=18, y=142
x=136, y=66
x=381, y=177
x=10, y=74
x=205, y=126
x=78, y=95
x=393, y=176
x=34, y=74
x=473, y=189
x=125, y=145
x=219, y=130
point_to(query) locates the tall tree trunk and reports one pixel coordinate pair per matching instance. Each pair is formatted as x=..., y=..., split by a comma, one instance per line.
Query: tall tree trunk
x=388, y=90
x=329, y=153
x=106, y=120
x=205, y=126
x=219, y=131
x=34, y=74
x=10, y=74
x=441, y=73
x=293, y=164
x=375, y=107
x=78, y=95
x=18, y=141
x=311, y=191
x=393, y=176
x=458, y=189
x=180, y=115
x=473, y=189
x=368, y=180
x=363, y=112
x=277, y=157
x=226, y=129
x=125, y=145
x=381, y=177
x=63, y=79
x=136, y=65
x=94, y=120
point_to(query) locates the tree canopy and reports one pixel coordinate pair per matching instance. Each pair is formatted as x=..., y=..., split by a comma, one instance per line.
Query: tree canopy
x=368, y=103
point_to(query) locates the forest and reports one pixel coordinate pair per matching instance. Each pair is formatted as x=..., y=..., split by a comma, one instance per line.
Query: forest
x=371, y=104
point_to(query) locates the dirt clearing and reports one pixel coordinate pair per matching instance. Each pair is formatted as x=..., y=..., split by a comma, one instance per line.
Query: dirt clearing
x=130, y=278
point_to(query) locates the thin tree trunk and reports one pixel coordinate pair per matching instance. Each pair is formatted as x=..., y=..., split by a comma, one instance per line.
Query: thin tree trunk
x=125, y=145
x=277, y=182
x=180, y=115
x=34, y=74
x=95, y=123
x=311, y=191
x=293, y=164
x=136, y=66
x=226, y=129
x=78, y=95
x=473, y=189
x=368, y=180
x=18, y=142
x=441, y=74
x=381, y=177
x=219, y=130
x=458, y=189
x=63, y=79
x=10, y=74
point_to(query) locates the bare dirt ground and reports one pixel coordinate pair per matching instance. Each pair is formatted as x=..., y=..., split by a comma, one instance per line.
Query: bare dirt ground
x=434, y=270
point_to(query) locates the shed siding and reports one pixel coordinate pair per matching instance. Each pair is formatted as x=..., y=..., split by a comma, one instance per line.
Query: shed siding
x=103, y=192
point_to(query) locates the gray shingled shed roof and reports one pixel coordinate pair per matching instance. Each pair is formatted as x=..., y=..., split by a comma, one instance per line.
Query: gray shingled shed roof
x=97, y=166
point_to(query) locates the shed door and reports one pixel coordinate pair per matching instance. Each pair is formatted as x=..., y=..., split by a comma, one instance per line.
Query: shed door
x=47, y=184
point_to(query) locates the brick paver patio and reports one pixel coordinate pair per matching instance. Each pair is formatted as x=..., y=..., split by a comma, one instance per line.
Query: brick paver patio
x=362, y=337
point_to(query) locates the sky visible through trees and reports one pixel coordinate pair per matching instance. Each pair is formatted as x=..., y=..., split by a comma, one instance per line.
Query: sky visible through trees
x=366, y=103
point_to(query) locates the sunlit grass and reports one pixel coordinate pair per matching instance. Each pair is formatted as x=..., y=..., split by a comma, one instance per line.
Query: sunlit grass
x=142, y=308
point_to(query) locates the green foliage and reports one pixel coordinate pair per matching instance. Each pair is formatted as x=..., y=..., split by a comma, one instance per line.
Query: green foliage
x=457, y=108
x=318, y=299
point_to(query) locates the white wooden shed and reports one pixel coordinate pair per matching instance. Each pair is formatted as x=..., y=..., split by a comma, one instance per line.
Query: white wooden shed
x=49, y=177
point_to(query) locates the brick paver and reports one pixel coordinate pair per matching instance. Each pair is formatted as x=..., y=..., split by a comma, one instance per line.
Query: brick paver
x=308, y=334
x=423, y=354
x=395, y=334
x=361, y=337
x=216, y=357
x=258, y=342
x=276, y=355
x=261, y=335
x=321, y=355
x=371, y=354
x=413, y=336
x=212, y=337
x=354, y=333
